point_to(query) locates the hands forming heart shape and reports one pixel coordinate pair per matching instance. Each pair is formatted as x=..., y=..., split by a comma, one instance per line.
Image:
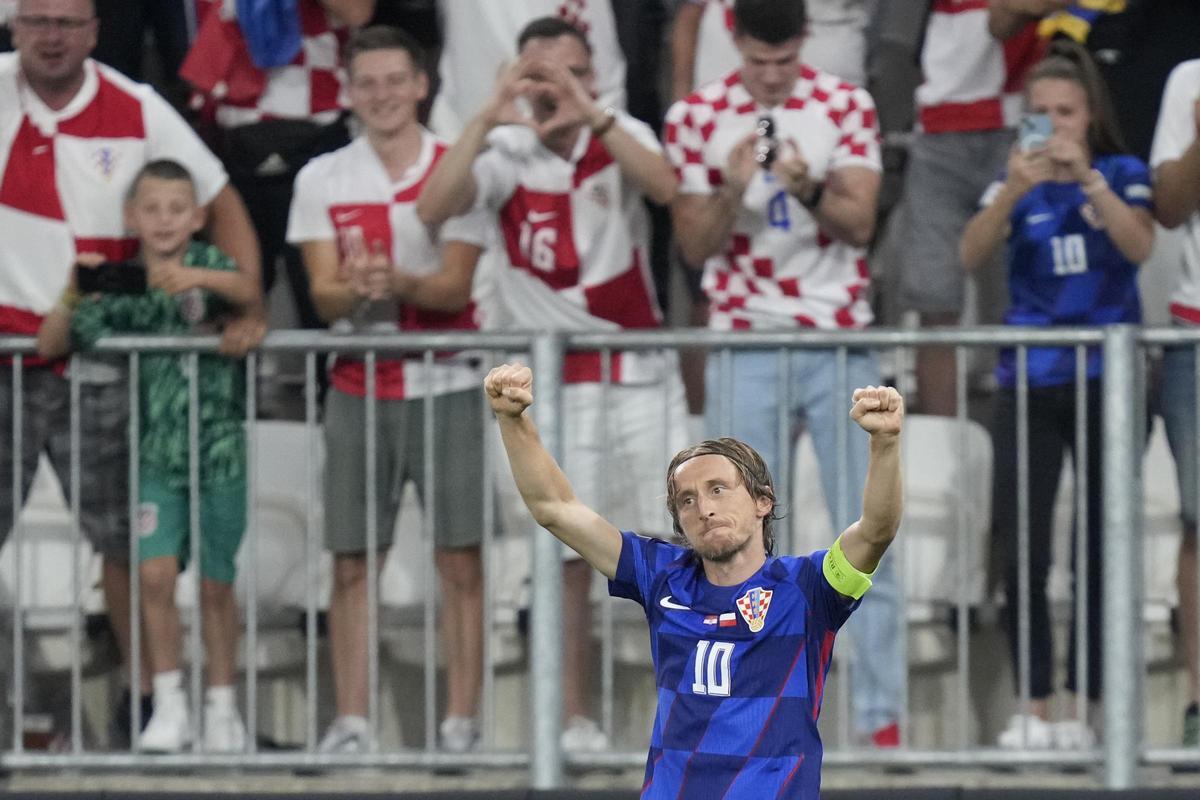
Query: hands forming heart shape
x=541, y=95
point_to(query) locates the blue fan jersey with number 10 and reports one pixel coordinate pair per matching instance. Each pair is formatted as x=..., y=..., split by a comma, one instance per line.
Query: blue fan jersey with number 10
x=1063, y=268
x=739, y=672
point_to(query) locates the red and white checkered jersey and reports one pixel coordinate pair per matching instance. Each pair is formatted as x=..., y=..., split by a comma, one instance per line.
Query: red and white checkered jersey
x=577, y=240
x=972, y=82
x=311, y=87
x=480, y=37
x=835, y=41
x=64, y=175
x=1175, y=133
x=347, y=196
x=778, y=269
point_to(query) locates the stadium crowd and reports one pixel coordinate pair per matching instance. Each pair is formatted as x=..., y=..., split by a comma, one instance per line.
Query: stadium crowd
x=432, y=165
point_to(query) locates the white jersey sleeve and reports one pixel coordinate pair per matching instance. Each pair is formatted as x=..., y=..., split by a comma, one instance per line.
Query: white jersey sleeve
x=475, y=227
x=640, y=131
x=686, y=138
x=859, y=143
x=1176, y=129
x=169, y=136
x=308, y=217
x=496, y=179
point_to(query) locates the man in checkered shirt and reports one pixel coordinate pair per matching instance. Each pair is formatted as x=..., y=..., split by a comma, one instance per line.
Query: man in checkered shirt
x=779, y=173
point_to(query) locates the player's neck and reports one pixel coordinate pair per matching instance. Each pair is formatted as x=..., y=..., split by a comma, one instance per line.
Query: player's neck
x=736, y=570
x=398, y=150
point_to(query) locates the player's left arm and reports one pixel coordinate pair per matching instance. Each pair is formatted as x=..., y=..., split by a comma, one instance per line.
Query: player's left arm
x=880, y=412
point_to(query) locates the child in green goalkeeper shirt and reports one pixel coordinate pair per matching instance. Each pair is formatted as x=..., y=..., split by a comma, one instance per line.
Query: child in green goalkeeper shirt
x=188, y=286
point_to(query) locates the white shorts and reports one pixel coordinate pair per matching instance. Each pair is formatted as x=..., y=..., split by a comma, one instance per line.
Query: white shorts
x=616, y=462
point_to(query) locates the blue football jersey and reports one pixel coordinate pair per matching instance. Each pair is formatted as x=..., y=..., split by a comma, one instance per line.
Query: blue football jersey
x=1063, y=269
x=739, y=672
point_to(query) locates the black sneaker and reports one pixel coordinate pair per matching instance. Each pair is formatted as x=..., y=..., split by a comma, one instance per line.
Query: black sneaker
x=120, y=728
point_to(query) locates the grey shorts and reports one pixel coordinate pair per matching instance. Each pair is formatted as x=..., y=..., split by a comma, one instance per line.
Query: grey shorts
x=947, y=174
x=1179, y=416
x=103, y=452
x=458, y=479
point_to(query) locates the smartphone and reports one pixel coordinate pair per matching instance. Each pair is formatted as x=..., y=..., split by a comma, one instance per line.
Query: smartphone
x=767, y=147
x=1034, y=131
x=111, y=277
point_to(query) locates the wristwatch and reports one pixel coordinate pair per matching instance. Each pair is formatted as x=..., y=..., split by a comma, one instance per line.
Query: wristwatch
x=602, y=127
x=814, y=196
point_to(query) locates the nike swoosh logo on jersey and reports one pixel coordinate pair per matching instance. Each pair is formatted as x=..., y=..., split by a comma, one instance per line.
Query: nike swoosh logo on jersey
x=40, y=149
x=537, y=217
x=667, y=602
x=346, y=216
x=1034, y=219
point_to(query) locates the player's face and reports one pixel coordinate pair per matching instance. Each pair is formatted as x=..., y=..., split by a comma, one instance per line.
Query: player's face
x=769, y=71
x=54, y=38
x=718, y=516
x=385, y=89
x=164, y=215
x=1066, y=103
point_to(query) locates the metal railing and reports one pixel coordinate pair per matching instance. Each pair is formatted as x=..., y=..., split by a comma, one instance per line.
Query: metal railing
x=1123, y=388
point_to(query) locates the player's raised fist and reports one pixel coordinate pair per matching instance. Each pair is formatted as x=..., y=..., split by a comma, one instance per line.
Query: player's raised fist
x=509, y=389
x=878, y=409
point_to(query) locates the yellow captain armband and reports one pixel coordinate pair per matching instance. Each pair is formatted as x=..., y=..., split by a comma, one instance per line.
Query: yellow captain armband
x=842, y=575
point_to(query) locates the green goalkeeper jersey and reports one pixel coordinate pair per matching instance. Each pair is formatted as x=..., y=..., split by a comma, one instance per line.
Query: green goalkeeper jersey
x=163, y=377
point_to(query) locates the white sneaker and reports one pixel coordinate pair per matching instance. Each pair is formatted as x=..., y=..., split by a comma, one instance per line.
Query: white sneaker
x=170, y=728
x=224, y=731
x=346, y=735
x=1074, y=734
x=459, y=734
x=583, y=735
x=1027, y=732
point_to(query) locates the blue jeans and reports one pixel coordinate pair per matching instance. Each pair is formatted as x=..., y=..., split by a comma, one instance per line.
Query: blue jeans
x=750, y=412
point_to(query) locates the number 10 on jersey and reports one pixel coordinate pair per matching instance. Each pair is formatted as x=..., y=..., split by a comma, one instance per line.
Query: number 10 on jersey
x=712, y=668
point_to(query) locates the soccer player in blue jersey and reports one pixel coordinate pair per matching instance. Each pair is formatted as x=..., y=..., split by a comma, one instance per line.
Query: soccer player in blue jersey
x=1075, y=212
x=741, y=638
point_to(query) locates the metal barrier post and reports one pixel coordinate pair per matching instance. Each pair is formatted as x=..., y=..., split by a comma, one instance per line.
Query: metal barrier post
x=545, y=629
x=1122, y=647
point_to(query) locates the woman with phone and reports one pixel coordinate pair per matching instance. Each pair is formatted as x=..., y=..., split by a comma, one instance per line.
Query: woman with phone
x=1074, y=210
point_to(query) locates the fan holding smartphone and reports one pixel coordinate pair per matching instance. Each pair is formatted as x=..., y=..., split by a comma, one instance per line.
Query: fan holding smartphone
x=1034, y=132
x=176, y=286
x=1074, y=210
x=110, y=277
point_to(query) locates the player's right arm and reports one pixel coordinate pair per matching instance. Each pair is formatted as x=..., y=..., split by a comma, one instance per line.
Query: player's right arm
x=543, y=486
